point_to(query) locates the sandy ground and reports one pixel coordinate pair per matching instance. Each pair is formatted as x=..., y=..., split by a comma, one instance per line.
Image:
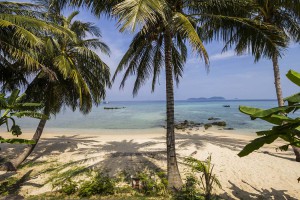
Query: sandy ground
x=265, y=174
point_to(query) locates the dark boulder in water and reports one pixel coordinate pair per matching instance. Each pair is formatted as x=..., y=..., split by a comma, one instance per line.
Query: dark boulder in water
x=221, y=123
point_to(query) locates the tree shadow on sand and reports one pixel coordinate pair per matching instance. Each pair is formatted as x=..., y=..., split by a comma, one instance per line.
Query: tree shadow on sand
x=187, y=140
x=113, y=156
x=46, y=147
x=272, y=193
x=123, y=155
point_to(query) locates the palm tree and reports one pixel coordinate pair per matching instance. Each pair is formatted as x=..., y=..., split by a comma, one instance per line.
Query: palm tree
x=81, y=75
x=167, y=26
x=146, y=57
x=283, y=15
x=151, y=49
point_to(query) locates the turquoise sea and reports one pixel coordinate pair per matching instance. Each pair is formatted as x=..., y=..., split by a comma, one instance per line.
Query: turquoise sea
x=151, y=114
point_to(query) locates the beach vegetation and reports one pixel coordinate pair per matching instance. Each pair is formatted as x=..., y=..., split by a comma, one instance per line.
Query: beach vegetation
x=100, y=184
x=189, y=190
x=69, y=187
x=285, y=126
x=153, y=184
x=207, y=180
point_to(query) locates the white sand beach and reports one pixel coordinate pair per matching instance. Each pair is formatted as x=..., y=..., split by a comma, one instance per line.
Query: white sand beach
x=265, y=174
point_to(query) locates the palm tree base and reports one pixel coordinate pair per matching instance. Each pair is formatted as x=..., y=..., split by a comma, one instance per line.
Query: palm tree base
x=297, y=153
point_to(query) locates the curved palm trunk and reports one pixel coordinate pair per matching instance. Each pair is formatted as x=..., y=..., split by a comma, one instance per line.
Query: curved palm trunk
x=14, y=164
x=280, y=98
x=174, y=179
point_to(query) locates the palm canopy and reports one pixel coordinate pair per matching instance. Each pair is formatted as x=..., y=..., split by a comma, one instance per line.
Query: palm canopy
x=189, y=22
x=95, y=6
x=228, y=20
x=19, y=23
x=82, y=76
x=146, y=55
x=145, y=58
x=271, y=26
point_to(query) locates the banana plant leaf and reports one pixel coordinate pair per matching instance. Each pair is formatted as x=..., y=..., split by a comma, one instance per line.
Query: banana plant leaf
x=294, y=77
x=258, y=143
x=286, y=128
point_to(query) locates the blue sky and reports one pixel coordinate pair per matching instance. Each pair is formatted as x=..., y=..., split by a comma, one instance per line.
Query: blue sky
x=230, y=76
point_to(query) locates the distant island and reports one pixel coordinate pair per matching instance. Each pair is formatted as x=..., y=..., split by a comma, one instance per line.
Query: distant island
x=207, y=99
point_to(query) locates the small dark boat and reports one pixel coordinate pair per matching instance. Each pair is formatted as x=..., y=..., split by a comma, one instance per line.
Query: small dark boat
x=226, y=106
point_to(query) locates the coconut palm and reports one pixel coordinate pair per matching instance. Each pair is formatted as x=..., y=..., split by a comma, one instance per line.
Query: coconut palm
x=81, y=75
x=167, y=26
x=284, y=15
x=281, y=14
x=146, y=58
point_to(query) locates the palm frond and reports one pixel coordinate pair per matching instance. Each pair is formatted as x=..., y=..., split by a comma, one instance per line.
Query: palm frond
x=133, y=13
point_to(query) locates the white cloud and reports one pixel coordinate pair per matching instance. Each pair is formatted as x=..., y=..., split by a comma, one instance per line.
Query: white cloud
x=222, y=56
x=215, y=57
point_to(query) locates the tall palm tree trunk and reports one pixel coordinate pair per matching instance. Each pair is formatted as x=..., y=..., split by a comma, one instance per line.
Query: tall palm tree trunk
x=15, y=163
x=279, y=96
x=174, y=179
x=277, y=80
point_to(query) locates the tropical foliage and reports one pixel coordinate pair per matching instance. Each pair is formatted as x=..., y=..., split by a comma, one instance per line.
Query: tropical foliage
x=208, y=179
x=286, y=128
x=13, y=107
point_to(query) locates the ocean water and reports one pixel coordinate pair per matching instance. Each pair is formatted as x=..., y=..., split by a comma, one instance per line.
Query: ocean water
x=151, y=114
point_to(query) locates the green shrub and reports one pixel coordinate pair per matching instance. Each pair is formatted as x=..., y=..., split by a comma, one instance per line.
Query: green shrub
x=69, y=187
x=101, y=184
x=154, y=185
x=189, y=190
x=8, y=185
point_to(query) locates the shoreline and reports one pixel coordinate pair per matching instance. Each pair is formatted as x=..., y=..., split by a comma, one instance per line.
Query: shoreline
x=138, y=131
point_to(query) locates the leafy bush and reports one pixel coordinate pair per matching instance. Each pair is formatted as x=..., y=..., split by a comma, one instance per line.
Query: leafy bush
x=189, y=190
x=153, y=185
x=101, y=184
x=69, y=187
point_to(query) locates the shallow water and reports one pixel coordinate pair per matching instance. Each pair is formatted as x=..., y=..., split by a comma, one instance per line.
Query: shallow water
x=145, y=115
